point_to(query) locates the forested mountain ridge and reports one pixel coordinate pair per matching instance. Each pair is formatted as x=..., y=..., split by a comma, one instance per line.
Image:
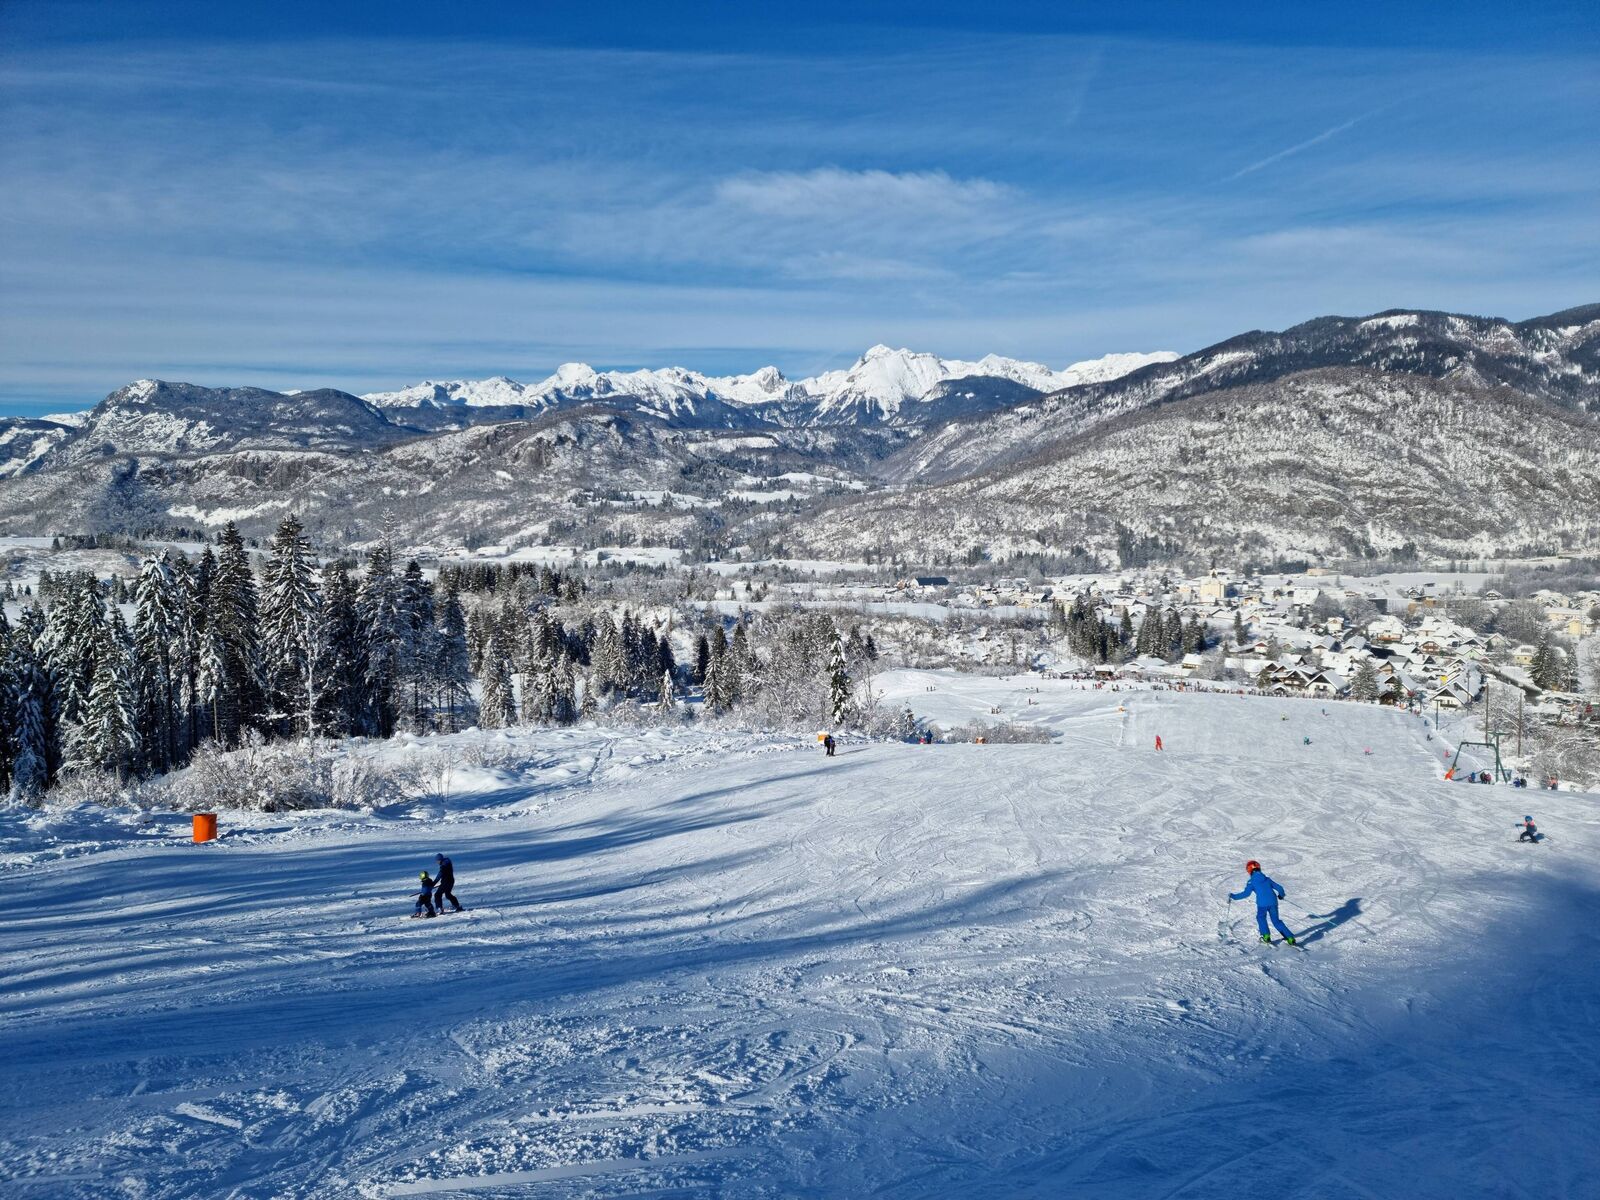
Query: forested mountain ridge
x=1343, y=462
x=1555, y=357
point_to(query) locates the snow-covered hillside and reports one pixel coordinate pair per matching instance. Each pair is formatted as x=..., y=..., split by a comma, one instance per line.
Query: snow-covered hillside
x=1554, y=358
x=722, y=965
x=1337, y=462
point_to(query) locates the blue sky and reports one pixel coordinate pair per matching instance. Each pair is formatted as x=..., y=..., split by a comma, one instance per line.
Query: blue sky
x=294, y=195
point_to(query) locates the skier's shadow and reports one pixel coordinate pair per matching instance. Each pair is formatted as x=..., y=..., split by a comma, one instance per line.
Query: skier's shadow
x=1331, y=921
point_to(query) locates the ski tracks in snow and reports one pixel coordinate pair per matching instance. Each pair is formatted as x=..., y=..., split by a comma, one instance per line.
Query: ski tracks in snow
x=747, y=970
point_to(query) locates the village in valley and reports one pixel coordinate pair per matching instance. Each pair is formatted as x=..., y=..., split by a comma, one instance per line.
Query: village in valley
x=1412, y=640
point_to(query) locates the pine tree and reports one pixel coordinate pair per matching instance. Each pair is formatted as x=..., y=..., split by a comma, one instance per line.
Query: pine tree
x=385, y=627
x=232, y=618
x=840, y=690
x=564, y=701
x=668, y=702
x=291, y=622
x=702, y=658
x=452, y=666
x=741, y=667
x=107, y=739
x=157, y=628
x=29, y=752
x=1146, y=639
x=1542, y=670
x=70, y=642
x=719, y=685
x=1364, y=683
x=608, y=667
x=186, y=652
x=497, y=706
x=1172, y=631
x=417, y=649
x=1238, y=629
x=665, y=661
x=343, y=664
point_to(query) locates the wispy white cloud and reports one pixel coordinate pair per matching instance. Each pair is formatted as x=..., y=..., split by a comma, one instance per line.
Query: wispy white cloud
x=830, y=193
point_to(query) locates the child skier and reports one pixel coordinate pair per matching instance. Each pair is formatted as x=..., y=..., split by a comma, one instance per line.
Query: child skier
x=1267, y=894
x=1530, y=832
x=424, y=906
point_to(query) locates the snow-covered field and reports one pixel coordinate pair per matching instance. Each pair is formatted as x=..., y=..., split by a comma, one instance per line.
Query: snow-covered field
x=701, y=964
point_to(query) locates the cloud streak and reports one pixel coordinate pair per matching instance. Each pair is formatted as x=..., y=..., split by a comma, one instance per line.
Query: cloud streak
x=1258, y=165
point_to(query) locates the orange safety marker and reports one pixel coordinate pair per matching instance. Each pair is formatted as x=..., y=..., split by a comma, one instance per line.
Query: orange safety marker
x=205, y=827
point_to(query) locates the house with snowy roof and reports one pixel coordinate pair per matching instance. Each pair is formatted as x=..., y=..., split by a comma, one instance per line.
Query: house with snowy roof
x=1449, y=695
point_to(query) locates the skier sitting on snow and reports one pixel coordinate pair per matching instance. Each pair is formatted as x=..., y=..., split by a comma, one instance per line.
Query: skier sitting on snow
x=424, y=898
x=1267, y=894
x=1530, y=832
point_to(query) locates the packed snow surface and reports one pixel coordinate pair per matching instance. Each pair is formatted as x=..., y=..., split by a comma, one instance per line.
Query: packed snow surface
x=715, y=964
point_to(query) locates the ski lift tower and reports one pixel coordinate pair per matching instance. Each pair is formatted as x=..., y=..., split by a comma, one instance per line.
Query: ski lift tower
x=1490, y=743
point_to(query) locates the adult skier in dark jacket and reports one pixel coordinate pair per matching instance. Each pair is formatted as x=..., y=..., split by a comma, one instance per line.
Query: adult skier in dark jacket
x=1267, y=894
x=445, y=886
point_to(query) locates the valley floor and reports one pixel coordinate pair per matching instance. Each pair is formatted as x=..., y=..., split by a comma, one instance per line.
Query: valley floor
x=703, y=964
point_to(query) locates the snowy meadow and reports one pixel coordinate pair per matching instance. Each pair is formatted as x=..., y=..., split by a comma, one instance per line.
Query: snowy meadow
x=701, y=962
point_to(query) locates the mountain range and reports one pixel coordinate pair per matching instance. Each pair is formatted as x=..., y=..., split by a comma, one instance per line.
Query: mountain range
x=1406, y=430
x=884, y=385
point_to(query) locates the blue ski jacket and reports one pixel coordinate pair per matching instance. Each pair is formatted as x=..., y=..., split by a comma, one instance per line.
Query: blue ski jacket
x=1267, y=893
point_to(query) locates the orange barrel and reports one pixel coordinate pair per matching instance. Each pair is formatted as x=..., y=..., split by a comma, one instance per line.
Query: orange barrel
x=205, y=826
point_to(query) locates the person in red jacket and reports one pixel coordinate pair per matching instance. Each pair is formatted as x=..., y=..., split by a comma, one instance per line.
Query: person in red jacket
x=1158, y=741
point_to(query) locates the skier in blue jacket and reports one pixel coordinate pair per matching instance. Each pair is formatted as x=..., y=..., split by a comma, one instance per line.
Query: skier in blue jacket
x=1267, y=894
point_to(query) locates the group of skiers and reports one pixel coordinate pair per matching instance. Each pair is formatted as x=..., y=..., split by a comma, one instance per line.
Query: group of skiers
x=435, y=891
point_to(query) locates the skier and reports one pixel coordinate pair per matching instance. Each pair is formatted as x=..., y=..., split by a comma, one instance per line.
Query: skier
x=1530, y=832
x=1267, y=894
x=424, y=906
x=1305, y=741
x=445, y=885
x=828, y=745
x=1158, y=741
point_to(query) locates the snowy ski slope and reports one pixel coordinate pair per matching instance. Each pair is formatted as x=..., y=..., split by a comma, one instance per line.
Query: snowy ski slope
x=720, y=965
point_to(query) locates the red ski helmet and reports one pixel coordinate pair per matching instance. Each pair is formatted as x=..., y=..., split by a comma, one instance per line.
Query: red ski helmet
x=1251, y=867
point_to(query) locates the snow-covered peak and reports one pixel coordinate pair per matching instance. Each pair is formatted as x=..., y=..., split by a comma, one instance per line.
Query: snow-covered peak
x=884, y=380
x=481, y=393
x=766, y=386
x=881, y=381
x=138, y=391
x=1112, y=366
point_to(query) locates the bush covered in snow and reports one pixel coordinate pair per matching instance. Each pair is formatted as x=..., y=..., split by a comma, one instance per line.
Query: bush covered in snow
x=999, y=733
x=281, y=777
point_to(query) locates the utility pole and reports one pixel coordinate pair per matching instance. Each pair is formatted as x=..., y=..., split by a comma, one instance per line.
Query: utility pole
x=1521, y=696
